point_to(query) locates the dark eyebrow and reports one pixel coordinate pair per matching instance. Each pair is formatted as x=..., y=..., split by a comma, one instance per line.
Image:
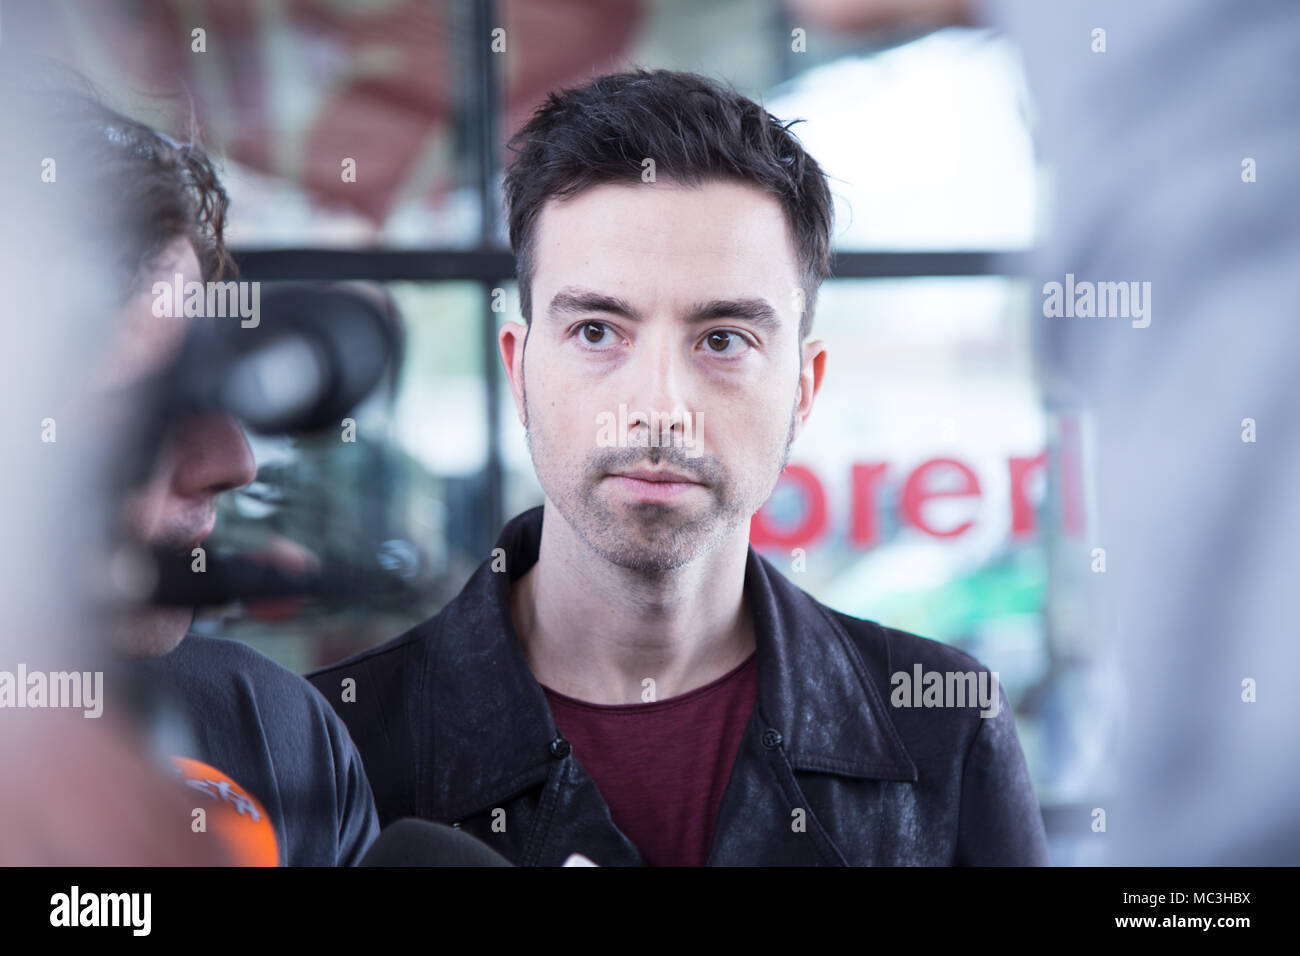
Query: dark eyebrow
x=754, y=311
x=572, y=301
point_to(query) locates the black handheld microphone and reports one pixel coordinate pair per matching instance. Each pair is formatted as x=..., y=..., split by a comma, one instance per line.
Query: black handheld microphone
x=412, y=842
x=228, y=578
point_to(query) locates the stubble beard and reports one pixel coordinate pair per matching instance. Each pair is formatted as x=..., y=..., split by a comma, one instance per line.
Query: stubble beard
x=653, y=537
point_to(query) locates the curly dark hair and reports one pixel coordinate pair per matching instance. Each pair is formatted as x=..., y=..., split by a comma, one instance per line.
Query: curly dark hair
x=139, y=189
x=167, y=190
x=173, y=191
x=695, y=130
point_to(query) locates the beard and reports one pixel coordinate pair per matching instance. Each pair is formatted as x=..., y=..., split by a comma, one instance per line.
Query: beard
x=652, y=536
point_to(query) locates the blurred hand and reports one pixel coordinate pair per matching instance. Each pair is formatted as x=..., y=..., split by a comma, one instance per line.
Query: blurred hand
x=290, y=556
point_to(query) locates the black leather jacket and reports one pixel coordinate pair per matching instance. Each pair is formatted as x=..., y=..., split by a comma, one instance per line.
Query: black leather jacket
x=453, y=727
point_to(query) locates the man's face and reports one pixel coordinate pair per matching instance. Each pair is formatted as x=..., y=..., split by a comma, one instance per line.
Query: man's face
x=203, y=457
x=649, y=300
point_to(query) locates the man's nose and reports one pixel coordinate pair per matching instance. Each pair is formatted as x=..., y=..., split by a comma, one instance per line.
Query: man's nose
x=658, y=388
x=211, y=456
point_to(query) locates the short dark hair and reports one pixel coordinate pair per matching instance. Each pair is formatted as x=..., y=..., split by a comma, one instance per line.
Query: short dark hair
x=695, y=130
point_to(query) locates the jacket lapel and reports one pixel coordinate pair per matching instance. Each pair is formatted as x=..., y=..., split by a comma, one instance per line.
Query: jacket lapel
x=489, y=729
x=815, y=687
x=818, y=710
x=489, y=735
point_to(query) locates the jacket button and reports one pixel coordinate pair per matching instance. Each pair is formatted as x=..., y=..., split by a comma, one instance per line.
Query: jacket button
x=559, y=747
x=771, y=739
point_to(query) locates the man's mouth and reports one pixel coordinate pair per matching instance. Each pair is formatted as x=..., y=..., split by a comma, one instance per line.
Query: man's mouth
x=653, y=484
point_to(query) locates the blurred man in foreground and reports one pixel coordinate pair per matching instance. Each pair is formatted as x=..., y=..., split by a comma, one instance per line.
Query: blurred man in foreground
x=74, y=791
x=268, y=743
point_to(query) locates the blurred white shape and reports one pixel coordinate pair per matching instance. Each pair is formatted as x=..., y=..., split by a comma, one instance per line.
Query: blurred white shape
x=441, y=423
x=927, y=143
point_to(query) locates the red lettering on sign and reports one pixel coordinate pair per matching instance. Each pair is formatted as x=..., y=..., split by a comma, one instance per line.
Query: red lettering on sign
x=1024, y=518
x=863, y=481
x=917, y=491
x=922, y=485
x=762, y=534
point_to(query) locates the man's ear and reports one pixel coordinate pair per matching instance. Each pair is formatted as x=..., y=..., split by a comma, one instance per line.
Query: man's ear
x=511, y=338
x=811, y=373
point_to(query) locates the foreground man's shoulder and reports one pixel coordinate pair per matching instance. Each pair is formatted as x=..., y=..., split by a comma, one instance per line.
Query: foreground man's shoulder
x=231, y=671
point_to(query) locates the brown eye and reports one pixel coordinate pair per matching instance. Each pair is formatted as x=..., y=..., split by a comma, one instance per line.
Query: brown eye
x=593, y=332
x=718, y=341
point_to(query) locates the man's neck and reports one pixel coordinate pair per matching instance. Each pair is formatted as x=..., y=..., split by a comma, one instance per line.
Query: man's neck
x=595, y=631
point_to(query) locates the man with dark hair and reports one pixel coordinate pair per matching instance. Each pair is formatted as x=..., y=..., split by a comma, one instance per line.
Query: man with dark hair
x=624, y=677
x=154, y=209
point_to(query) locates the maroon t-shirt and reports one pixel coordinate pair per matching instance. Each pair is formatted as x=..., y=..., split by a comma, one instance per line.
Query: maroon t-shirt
x=662, y=767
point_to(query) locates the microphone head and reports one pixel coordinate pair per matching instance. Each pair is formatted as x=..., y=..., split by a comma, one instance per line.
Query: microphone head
x=230, y=813
x=412, y=842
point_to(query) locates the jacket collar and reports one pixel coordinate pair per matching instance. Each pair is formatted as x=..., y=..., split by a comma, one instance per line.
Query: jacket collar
x=495, y=729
